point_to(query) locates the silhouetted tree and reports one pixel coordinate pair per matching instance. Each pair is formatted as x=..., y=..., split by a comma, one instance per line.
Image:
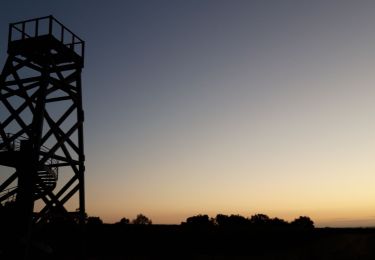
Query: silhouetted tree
x=238, y=220
x=222, y=220
x=303, y=222
x=124, y=221
x=199, y=221
x=94, y=221
x=141, y=220
x=277, y=222
x=260, y=219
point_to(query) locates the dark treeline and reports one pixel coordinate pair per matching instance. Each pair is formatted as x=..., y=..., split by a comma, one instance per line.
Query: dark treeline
x=238, y=221
x=224, y=221
x=202, y=220
x=198, y=237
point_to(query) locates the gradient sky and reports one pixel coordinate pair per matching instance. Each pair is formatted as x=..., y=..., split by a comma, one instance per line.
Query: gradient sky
x=234, y=107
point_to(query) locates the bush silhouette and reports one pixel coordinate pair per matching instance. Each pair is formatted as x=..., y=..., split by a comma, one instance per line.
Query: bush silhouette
x=141, y=220
x=277, y=222
x=222, y=220
x=260, y=220
x=123, y=221
x=199, y=221
x=94, y=221
x=303, y=222
x=231, y=221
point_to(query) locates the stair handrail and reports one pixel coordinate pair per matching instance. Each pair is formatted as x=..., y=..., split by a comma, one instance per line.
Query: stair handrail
x=15, y=145
x=7, y=191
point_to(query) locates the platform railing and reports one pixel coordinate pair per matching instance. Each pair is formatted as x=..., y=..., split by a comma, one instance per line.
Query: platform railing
x=47, y=25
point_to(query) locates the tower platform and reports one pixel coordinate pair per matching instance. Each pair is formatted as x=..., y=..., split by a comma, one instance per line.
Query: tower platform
x=44, y=38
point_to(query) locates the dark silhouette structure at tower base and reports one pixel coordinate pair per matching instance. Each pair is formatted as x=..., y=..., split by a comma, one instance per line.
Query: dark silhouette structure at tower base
x=41, y=123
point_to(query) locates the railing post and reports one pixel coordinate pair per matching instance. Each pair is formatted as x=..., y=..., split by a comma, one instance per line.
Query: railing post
x=62, y=34
x=83, y=49
x=23, y=31
x=36, y=27
x=73, y=40
x=50, y=25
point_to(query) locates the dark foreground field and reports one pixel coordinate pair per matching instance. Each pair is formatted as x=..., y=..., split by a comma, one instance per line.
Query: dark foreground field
x=180, y=242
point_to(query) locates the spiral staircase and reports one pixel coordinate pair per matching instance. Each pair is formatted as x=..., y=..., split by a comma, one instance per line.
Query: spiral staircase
x=44, y=179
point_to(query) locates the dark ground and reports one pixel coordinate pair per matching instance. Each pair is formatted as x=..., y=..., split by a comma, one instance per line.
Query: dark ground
x=118, y=241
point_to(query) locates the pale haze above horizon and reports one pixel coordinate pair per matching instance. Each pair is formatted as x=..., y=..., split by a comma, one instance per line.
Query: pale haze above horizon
x=218, y=106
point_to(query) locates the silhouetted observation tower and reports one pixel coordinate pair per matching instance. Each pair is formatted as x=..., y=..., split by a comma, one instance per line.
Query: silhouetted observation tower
x=41, y=122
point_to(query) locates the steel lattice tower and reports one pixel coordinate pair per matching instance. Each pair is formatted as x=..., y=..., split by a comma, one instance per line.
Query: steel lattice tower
x=41, y=122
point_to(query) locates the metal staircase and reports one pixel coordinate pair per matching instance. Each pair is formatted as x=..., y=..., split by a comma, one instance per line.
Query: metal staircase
x=45, y=178
x=46, y=181
x=8, y=196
